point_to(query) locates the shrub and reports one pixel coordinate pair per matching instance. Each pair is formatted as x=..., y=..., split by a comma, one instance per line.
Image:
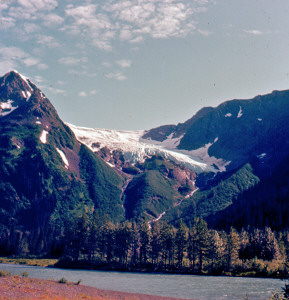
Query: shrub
x=78, y=282
x=4, y=274
x=62, y=280
x=24, y=274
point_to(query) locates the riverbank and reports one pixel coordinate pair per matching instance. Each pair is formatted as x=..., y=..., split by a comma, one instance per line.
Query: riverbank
x=255, y=268
x=251, y=268
x=41, y=262
x=16, y=287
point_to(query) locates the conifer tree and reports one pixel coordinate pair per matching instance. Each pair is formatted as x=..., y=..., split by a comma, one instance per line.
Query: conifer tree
x=181, y=242
x=233, y=246
x=202, y=241
x=145, y=239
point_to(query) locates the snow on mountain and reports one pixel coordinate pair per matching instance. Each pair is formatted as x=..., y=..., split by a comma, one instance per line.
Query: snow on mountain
x=135, y=148
x=63, y=157
x=43, y=137
x=240, y=113
x=6, y=108
x=26, y=80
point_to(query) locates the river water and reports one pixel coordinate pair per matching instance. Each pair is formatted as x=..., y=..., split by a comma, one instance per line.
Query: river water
x=181, y=286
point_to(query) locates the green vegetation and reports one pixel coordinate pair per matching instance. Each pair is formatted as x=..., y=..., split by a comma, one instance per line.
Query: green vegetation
x=41, y=262
x=211, y=200
x=149, y=194
x=104, y=184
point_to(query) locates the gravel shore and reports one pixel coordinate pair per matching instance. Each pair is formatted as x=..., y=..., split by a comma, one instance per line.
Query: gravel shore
x=16, y=287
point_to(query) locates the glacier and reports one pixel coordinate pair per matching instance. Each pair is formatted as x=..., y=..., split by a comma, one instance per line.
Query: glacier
x=135, y=148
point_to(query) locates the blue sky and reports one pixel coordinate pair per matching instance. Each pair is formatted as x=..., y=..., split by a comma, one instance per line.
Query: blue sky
x=139, y=64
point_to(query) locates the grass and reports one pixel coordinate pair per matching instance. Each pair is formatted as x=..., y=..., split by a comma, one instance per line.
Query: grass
x=29, y=261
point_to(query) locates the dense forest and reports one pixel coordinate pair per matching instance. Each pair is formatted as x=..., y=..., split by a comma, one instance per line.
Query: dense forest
x=88, y=241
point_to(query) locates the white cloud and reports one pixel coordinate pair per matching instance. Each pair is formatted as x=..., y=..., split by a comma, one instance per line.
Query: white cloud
x=31, y=27
x=106, y=64
x=72, y=61
x=30, y=61
x=38, y=4
x=57, y=91
x=133, y=20
x=254, y=32
x=7, y=22
x=6, y=66
x=42, y=66
x=52, y=20
x=61, y=82
x=116, y=75
x=14, y=56
x=48, y=41
x=82, y=94
x=93, y=92
x=137, y=40
x=204, y=32
x=39, y=79
x=13, y=53
x=102, y=45
x=124, y=63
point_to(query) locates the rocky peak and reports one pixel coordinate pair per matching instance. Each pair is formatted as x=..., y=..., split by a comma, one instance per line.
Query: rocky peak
x=16, y=86
x=15, y=91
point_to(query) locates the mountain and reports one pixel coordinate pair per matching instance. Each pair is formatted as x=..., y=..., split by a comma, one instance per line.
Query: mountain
x=232, y=148
x=46, y=175
x=214, y=166
x=236, y=132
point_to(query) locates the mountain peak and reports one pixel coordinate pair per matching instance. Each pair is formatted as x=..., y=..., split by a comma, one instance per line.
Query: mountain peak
x=15, y=85
x=15, y=90
x=16, y=76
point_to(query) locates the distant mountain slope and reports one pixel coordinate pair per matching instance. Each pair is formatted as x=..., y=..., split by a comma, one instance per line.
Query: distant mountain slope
x=231, y=148
x=265, y=204
x=237, y=131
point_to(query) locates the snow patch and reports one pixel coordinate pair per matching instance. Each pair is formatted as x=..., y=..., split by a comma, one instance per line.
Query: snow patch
x=240, y=113
x=203, y=154
x=63, y=157
x=28, y=96
x=43, y=137
x=228, y=115
x=111, y=165
x=7, y=107
x=262, y=155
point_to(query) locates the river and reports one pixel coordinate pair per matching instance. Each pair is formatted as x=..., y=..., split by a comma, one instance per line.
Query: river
x=181, y=286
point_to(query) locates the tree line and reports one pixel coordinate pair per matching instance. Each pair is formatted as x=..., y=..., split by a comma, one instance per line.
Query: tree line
x=163, y=247
x=88, y=240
